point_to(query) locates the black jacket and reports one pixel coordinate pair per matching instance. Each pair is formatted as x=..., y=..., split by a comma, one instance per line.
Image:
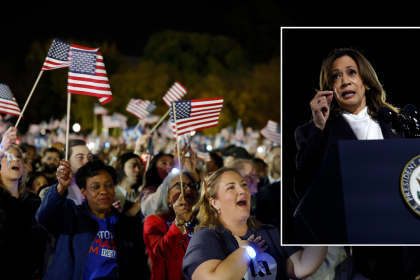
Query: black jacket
x=314, y=145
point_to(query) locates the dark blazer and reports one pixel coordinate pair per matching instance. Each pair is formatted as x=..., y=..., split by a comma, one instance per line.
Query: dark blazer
x=74, y=230
x=314, y=145
x=263, y=182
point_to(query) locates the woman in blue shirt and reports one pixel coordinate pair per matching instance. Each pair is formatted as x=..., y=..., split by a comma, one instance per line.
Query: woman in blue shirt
x=92, y=240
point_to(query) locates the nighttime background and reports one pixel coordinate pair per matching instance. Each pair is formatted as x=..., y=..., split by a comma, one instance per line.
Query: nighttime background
x=390, y=51
x=224, y=49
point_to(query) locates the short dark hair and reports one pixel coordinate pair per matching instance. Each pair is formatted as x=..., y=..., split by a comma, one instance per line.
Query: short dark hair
x=52, y=150
x=119, y=165
x=73, y=143
x=26, y=145
x=258, y=160
x=217, y=159
x=91, y=169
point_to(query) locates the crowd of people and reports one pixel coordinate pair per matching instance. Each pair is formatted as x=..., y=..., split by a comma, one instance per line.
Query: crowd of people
x=104, y=216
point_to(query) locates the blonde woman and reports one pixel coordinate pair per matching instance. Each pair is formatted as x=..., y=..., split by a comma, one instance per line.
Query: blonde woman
x=20, y=235
x=229, y=244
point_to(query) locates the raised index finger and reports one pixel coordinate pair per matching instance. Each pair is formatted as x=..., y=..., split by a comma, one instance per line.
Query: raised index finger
x=325, y=93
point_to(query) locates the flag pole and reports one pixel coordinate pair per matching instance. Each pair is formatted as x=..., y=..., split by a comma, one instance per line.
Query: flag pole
x=177, y=148
x=95, y=122
x=68, y=124
x=161, y=120
x=27, y=100
x=134, y=131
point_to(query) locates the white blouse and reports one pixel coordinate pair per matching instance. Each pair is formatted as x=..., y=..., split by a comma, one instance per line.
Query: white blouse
x=363, y=125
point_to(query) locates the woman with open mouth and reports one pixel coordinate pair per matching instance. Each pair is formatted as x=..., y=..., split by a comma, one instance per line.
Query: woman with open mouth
x=168, y=232
x=19, y=230
x=345, y=108
x=230, y=244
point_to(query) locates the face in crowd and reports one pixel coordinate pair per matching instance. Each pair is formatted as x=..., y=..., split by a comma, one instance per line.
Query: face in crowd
x=165, y=163
x=190, y=191
x=273, y=160
x=80, y=155
x=99, y=192
x=51, y=161
x=233, y=198
x=15, y=171
x=251, y=177
x=133, y=170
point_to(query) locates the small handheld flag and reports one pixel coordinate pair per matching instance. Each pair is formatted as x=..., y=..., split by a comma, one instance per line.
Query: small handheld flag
x=196, y=114
x=175, y=93
x=59, y=55
x=87, y=75
x=8, y=104
x=271, y=131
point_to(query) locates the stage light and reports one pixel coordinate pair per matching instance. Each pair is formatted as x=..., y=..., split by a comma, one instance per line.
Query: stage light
x=107, y=144
x=91, y=145
x=76, y=127
x=260, y=149
x=209, y=148
x=192, y=133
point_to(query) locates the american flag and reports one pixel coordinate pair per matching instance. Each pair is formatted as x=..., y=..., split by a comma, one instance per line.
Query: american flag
x=8, y=104
x=272, y=131
x=87, y=75
x=140, y=108
x=150, y=152
x=239, y=133
x=150, y=119
x=116, y=120
x=99, y=110
x=175, y=93
x=196, y=114
x=59, y=55
x=203, y=156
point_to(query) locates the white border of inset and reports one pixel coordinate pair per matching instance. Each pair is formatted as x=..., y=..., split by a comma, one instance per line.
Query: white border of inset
x=281, y=132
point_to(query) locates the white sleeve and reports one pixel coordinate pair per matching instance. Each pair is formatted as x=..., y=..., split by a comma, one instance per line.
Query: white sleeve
x=149, y=200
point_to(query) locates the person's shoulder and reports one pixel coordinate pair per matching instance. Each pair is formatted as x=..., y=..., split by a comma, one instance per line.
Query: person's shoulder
x=269, y=188
x=305, y=127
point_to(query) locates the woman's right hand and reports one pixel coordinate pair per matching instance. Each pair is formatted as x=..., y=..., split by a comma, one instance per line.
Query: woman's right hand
x=256, y=243
x=64, y=176
x=320, y=106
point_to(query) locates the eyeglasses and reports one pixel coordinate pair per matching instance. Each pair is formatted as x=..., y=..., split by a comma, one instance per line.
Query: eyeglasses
x=185, y=186
x=205, y=183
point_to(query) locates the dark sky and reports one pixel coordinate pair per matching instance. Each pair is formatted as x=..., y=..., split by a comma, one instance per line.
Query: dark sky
x=128, y=25
x=393, y=54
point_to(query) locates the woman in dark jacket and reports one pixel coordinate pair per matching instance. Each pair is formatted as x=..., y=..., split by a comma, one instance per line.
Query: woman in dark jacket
x=92, y=240
x=345, y=108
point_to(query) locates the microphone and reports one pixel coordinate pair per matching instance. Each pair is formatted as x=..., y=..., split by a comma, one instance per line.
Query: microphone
x=412, y=114
x=399, y=122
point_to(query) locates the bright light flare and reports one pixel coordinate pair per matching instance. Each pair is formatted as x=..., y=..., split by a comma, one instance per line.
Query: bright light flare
x=76, y=127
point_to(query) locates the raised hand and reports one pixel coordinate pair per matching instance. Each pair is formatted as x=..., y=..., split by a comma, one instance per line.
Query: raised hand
x=320, y=106
x=180, y=208
x=64, y=176
x=9, y=138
